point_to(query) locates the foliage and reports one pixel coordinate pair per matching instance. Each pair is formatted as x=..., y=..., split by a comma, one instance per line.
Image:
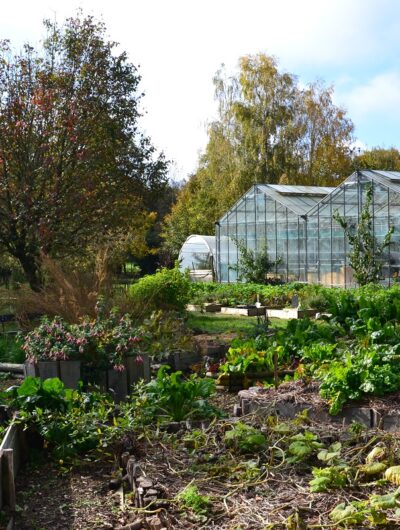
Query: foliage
x=71, y=422
x=51, y=340
x=302, y=446
x=345, y=304
x=380, y=159
x=393, y=475
x=373, y=370
x=163, y=333
x=246, y=356
x=105, y=340
x=245, y=438
x=49, y=394
x=253, y=266
x=366, y=252
x=166, y=289
x=190, y=499
x=328, y=478
x=171, y=397
x=73, y=165
x=273, y=296
x=371, y=511
x=11, y=350
x=269, y=130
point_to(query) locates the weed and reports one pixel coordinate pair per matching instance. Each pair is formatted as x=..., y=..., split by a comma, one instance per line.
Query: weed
x=245, y=438
x=190, y=499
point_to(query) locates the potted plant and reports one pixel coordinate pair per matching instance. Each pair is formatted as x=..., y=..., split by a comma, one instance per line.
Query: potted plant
x=47, y=348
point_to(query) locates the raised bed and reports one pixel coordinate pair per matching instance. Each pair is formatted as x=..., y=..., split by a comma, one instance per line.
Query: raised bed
x=248, y=311
x=13, y=453
x=289, y=313
x=71, y=372
x=292, y=398
x=204, y=308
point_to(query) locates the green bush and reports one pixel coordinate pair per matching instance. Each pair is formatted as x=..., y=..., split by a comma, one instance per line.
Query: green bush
x=166, y=289
x=10, y=350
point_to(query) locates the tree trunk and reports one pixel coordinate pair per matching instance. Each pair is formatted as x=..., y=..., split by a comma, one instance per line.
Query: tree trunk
x=32, y=271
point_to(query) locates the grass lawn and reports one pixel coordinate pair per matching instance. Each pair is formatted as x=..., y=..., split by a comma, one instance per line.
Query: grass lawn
x=219, y=323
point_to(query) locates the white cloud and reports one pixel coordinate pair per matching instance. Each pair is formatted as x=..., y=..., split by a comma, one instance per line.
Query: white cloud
x=180, y=44
x=380, y=96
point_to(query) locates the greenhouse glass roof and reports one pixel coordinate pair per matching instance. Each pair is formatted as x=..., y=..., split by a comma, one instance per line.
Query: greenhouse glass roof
x=390, y=179
x=299, y=199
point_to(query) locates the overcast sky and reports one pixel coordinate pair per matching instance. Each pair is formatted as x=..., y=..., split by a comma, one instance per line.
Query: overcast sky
x=179, y=45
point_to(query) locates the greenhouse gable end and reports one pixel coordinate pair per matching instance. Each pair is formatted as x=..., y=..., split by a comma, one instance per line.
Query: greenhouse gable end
x=296, y=224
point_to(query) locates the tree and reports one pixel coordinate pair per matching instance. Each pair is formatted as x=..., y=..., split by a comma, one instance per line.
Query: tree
x=326, y=133
x=73, y=163
x=379, y=158
x=366, y=252
x=253, y=266
x=269, y=130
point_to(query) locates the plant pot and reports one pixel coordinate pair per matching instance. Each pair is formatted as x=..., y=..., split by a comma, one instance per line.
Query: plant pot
x=137, y=371
x=49, y=369
x=183, y=360
x=118, y=384
x=70, y=373
x=94, y=376
x=31, y=369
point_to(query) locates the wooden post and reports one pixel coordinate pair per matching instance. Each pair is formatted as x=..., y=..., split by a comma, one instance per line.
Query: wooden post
x=8, y=478
x=31, y=369
x=276, y=379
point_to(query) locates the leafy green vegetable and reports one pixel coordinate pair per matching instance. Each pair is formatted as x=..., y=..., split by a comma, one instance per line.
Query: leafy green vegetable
x=245, y=438
x=171, y=396
x=302, y=446
x=329, y=478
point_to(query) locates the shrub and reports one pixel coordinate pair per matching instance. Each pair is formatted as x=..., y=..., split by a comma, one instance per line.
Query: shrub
x=165, y=332
x=166, y=289
x=10, y=350
x=106, y=340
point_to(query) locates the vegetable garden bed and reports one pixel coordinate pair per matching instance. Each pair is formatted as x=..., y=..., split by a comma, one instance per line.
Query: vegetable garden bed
x=247, y=311
x=295, y=397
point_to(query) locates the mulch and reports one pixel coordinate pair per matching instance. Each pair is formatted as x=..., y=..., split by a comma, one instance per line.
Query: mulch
x=276, y=495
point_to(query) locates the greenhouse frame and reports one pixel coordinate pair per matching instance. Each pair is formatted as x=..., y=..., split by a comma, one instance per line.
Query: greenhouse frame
x=297, y=227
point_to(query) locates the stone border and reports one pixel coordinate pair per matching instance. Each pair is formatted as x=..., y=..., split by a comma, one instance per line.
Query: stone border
x=251, y=402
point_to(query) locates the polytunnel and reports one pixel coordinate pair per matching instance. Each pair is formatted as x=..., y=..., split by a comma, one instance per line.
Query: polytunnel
x=198, y=256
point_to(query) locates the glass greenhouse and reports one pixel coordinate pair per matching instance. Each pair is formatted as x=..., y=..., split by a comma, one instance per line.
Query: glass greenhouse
x=296, y=225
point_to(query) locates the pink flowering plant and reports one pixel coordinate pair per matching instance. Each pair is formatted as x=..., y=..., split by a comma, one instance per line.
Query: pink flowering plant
x=119, y=338
x=51, y=341
x=102, y=342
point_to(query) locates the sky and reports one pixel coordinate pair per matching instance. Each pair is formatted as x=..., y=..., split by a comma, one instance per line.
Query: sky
x=180, y=44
